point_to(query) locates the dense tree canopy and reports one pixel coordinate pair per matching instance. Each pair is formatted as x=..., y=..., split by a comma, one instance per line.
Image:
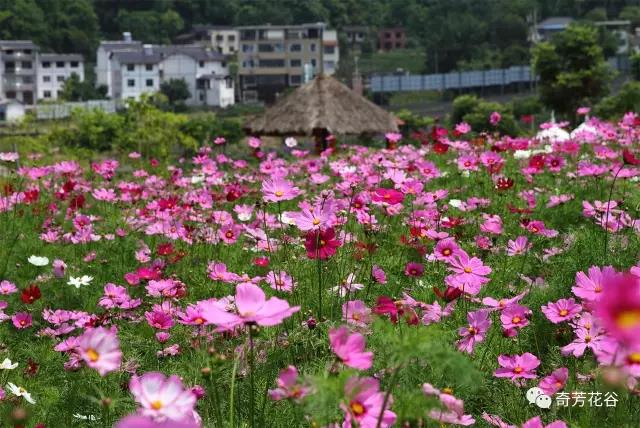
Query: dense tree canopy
x=455, y=33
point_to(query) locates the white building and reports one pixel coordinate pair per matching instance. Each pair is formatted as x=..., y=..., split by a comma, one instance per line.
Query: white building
x=137, y=69
x=224, y=39
x=54, y=70
x=104, y=72
x=331, y=51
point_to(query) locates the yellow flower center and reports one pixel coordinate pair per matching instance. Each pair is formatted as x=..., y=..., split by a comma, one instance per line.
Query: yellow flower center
x=279, y=193
x=468, y=269
x=564, y=313
x=446, y=252
x=156, y=405
x=357, y=408
x=516, y=320
x=447, y=391
x=518, y=370
x=93, y=355
x=634, y=358
x=199, y=321
x=316, y=222
x=628, y=319
x=472, y=330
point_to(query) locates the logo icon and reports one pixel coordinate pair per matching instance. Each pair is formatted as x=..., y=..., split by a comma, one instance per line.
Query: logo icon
x=537, y=396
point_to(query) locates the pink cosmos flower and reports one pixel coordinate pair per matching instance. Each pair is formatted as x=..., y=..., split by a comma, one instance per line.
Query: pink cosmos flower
x=59, y=268
x=100, y=349
x=537, y=423
x=413, y=269
x=589, y=287
x=252, y=308
x=349, y=347
x=254, y=142
x=492, y=224
x=364, y=402
x=474, y=333
x=383, y=196
x=515, y=317
x=562, y=310
x=280, y=281
x=321, y=244
x=159, y=319
x=288, y=386
x=7, y=287
x=463, y=128
x=517, y=366
x=518, y=246
x=219, y=272
x=454, y=413
x=356, y=313
x=314, y=218
x=555, y=381
x=21, y=320
x=162, y=398
x=393, y=137
x=469, y=273
x=445, y=250
x=495, y=118
x=619, y=308
x=278, y=189
x=378, y=274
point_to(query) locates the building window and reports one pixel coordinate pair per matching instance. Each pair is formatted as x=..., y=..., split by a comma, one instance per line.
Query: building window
x=219, y=38
x=329, y=50
x=60, y=78
x=228, y=81
x=295, y=63
x=398, y=35
x=232, y=49
x=149, y=83
x=26, y=65
x=131, y=83
x=312, y=47
x=10, y=66
x=27, y=51
x=271, y=63
x=295, y=79
x=296, y=47
x=11, y=95
x=231, y=37
x=130, y=67
x=247, y=64
x=60, y=64
x=74, y=64
x=248, y=48
x=9, y=51
x=148, y=67
x=387, y=35
x=27, y=79
x=201, y=64
x=47, y=94
x=46, y=78
x=201, y=96
x=46, y=64
x=313, y=62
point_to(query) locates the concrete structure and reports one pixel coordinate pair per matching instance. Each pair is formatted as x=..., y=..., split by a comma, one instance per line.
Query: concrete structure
x=272, y=58
x=131, y=69
x=11, y=111
x=53, y=70
x=391, y=38
x=26, y=75
x=18, y=68
x=225, y=40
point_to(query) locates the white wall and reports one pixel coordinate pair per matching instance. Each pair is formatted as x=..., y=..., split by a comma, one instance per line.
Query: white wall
x=54, y=85
x=139, y=75
x=14, y=112
x=225, y=46
x=181, y=66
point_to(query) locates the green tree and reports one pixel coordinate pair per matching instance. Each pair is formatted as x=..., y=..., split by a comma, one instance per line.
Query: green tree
x=631, y=13
x=75, y=89
x=176, y=91
x=613, y=107
x=572, y=69
x=22, y=19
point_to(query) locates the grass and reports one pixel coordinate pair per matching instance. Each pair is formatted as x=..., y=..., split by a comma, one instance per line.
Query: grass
x=409, y=60
x=404, y=356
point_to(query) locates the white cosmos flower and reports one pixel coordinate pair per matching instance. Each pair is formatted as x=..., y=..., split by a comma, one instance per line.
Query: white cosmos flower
x=456, y=203
x=20, y=392
x=522, y=154
x=197, y=179
x=290, y=142
x=8, y=365
x=80, y=281
x=38, y=260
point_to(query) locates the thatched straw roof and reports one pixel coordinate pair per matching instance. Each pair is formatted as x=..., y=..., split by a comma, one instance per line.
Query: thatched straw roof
x=323, y=103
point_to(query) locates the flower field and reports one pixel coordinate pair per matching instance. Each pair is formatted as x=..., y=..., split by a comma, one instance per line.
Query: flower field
x=424, y=284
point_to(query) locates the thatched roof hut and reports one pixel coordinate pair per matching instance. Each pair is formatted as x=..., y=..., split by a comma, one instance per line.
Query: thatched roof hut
x=322, y=106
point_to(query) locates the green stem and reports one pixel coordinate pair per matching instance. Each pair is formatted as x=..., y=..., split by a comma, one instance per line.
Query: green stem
x=387, y=396
x=251, y=378
x=231, y=393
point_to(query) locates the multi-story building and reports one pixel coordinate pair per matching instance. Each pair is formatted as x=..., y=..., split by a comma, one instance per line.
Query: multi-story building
x=131, y=69
x=103, y=58
x=223, y=39
x=18, y=68
x=26, y=75
x=391, y=38
x=54, y=70
x=272, y=58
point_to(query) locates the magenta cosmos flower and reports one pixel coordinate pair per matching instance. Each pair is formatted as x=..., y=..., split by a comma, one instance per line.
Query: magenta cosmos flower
x=588, y=287
x=21, y=320
x=517, y=366
x=454, y=413
x=288, y=386
x=555, y=381
x=278, y=190
x=349, y=347
x=252, y=308
x=364, y=404
x=321, y=244
x=619, y=308
x=515, y=316
x=562, y=310
x=413, y=269
x=387, y=196
x=100, y=350
x=162, y=398
x=469, y=273
x=356, y=313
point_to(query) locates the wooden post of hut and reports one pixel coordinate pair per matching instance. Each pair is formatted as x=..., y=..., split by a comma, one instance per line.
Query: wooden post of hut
x=320, y=137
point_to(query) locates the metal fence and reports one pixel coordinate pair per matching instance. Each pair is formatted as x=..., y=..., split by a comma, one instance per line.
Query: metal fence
x=455, y=80
x=63, y=110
